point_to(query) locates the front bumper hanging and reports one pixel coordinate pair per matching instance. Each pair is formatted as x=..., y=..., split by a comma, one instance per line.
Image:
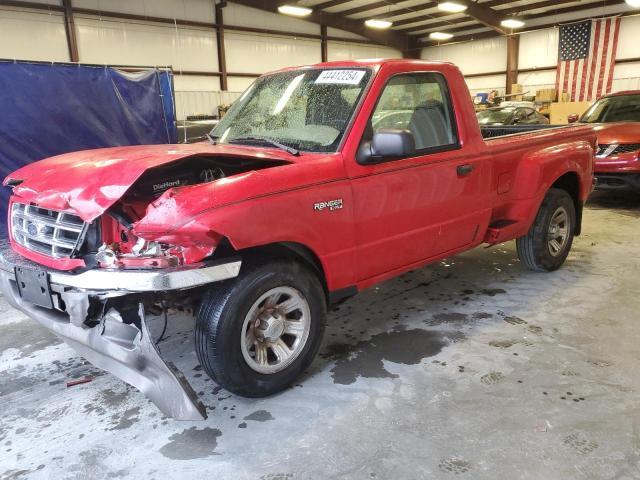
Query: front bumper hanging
x=124, y=349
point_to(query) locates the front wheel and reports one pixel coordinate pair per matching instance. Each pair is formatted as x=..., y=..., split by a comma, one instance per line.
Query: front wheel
x=547, y=244
x=256, y=334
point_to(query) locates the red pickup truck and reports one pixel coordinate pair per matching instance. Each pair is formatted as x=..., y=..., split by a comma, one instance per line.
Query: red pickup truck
x=616, y=120
x=319, y=182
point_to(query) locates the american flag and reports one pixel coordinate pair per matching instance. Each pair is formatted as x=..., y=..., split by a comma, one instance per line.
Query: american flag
x=586, y=58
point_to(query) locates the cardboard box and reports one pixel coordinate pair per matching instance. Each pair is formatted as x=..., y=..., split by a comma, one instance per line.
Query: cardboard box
x=559, y=111
x=546, y=95
x=516, y=88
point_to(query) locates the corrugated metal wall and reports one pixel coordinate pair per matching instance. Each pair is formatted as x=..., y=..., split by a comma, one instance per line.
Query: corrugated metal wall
x=33, y=35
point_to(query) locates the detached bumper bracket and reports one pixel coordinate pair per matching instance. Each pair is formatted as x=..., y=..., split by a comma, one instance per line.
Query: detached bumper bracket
x=124, y=350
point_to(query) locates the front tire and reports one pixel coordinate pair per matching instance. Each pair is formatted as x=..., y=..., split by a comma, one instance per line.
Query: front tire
x=257, y=333
x=547, y=244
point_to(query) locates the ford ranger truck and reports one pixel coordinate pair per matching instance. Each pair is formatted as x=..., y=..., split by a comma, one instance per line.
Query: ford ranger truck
x=616, y=119
x=319, y=182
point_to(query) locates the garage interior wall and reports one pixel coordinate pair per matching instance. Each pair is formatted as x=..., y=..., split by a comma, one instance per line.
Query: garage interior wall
x=119, y=41
x=538, y=50
x=475, y=58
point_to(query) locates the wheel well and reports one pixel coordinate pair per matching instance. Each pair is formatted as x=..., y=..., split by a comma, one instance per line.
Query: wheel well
x=292, y=250
x=570, y=183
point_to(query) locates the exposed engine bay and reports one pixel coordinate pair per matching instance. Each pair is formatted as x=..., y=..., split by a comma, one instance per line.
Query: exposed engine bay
x=192, y=171
x=110, y=242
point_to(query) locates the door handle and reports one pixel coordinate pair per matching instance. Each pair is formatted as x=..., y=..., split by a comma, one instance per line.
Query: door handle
x=464, y=170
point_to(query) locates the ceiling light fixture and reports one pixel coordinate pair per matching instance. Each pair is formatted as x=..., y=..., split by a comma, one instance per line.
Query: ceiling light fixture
x=452, y=7
x=512, y=23
x=379, y=24
x=440, y=36
x=633, y=3
x=294, y=10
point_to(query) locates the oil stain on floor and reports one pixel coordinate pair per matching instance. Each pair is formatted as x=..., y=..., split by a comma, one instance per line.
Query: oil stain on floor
x=365, y=359
x=192, y=443
x=260, y=416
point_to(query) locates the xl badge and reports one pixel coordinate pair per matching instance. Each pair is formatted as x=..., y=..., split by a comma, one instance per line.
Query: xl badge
x=330, y=204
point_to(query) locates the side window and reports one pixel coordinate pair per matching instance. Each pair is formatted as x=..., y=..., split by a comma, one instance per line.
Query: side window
x=418, y=102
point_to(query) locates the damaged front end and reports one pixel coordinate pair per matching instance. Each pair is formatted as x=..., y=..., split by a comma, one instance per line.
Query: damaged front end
x=102, y=314
x=83, y=271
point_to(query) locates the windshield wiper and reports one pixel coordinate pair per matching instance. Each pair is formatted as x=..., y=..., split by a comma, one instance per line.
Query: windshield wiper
x=269, y=141
x=213, y=139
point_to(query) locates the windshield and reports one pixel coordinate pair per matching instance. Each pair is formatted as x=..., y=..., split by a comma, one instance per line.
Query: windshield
x=306, y=110
x=621, y=108
x=495, y=116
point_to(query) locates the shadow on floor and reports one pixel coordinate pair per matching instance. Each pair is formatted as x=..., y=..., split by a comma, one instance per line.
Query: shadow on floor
x=627, y=203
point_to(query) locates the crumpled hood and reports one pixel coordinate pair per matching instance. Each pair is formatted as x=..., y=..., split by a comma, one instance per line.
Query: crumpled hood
x=91, y=181
x=618, y=133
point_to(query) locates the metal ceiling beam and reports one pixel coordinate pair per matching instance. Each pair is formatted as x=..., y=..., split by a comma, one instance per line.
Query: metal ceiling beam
x=485, y=15
x=388, y=3
x=491, y=34
x=510, y=11
x=464, y=28
x=436, y=15
x=330, y=4
x=429, y=5
x=391, y=38
x=575, y=8
x=443, y=23
x=543, y=4
x=34, y=5
x=481, y=13
x=462, y=38
x=550, y=14
x=421, y=18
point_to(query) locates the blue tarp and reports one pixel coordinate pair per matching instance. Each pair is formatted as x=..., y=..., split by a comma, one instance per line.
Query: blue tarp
x=49, y=109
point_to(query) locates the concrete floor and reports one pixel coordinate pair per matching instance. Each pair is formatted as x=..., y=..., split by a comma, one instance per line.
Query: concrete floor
x=471, y=368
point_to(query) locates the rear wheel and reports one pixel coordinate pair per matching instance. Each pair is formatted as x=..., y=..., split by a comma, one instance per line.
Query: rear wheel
x=547, y=244
x=256, y=334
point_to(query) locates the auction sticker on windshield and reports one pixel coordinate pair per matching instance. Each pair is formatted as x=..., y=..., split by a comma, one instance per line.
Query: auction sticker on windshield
x=343, y=77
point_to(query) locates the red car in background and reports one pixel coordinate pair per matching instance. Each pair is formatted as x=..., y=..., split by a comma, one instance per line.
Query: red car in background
x=617, y=164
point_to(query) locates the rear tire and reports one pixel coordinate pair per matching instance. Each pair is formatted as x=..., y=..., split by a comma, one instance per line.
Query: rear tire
x=257, y=333
x=547, y=244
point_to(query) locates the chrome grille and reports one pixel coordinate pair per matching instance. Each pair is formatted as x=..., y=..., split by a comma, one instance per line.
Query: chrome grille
x=49, y=232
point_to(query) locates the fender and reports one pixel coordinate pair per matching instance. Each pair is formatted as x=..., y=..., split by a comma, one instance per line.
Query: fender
x=318, y=216
x=537, y=172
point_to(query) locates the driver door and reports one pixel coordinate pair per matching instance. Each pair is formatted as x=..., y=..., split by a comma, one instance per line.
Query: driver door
x=408, y=210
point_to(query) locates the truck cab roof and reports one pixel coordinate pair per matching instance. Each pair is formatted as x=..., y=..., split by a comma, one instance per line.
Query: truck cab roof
x=370, y=63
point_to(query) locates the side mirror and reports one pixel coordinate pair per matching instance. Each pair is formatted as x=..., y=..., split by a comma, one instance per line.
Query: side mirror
x=387, y=143
x=573, y=118
x=516, y=120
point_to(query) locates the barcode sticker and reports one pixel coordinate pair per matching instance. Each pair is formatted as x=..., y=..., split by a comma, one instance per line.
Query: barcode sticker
x=343, y=77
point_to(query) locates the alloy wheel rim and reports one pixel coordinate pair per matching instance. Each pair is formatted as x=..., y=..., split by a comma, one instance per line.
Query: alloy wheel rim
x=558, y=232
x=275, y=330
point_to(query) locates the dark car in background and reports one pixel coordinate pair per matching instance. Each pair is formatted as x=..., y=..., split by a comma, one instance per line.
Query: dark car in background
x=511, y=116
